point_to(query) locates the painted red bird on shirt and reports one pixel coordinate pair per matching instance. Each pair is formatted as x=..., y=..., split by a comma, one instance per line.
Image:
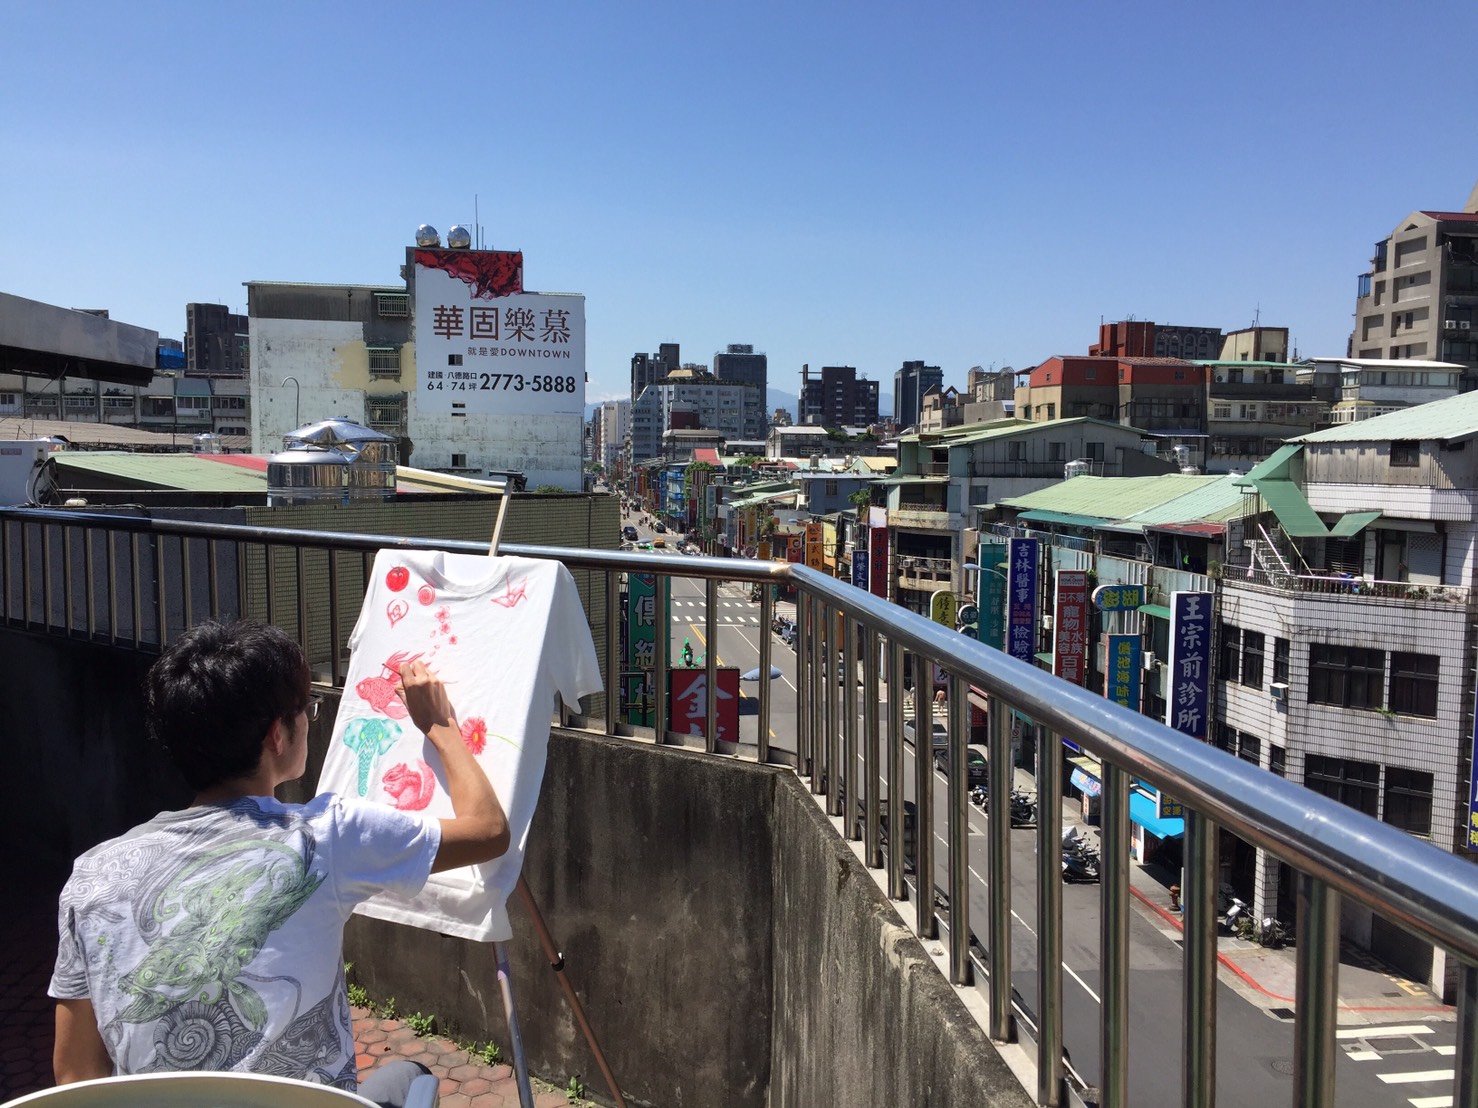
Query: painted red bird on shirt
x=379, y=692
x=511, y=596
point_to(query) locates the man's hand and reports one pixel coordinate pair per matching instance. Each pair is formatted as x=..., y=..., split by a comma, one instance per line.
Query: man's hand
x=424, y=696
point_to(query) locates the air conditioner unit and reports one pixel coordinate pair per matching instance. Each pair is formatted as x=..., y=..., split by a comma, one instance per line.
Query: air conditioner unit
x=1046, y=623
x=1149, y=660
x=1463, y=325
x=1278, y=690
x=1450, y=325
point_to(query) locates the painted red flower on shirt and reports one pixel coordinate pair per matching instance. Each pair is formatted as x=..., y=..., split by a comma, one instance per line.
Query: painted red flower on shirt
x=475, y=734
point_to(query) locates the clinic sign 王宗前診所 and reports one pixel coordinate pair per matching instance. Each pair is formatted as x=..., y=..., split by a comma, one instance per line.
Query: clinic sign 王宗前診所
x=486, y=347
x=1188, y=674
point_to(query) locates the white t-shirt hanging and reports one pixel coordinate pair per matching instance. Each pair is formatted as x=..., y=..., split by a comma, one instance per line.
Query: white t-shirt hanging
x=506, y=635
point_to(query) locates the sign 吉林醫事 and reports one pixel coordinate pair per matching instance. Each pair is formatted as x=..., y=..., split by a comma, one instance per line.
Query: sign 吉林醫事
x=1121, y=676
x=1021, y=600
x=1070, y=626
x=486, y=347
x=1118, y=598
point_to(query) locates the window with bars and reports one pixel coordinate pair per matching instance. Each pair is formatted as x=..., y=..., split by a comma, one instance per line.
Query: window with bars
x=1231, y=649
x=393, y=305
x=1408, y=801
x=1346, y=780
x=1277, y=760
x=1414, y=684
x=384, y=361
x=1405, y=453
x=1252, y=657
x=1346, y=676
x=385, y=413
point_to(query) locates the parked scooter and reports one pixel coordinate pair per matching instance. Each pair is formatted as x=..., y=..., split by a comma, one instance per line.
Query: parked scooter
x=979, y=797
x=1079, y=859
x=1023, y=809
x=1236, y=916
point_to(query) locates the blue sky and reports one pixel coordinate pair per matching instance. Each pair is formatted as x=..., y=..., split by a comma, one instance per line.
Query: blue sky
x=854, y=184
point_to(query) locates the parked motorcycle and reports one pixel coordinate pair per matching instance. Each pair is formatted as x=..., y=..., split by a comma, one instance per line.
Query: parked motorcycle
x=1236, y=914
x=979, y=797
x=1079, y=867
x=1023, y=809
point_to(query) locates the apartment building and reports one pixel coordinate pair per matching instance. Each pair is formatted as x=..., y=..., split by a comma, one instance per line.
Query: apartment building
x=1254, y=407
x=1419, y=299
x=837, y=398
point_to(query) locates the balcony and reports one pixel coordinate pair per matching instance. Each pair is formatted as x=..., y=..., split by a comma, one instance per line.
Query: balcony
x=782, y=936
x=924, y=574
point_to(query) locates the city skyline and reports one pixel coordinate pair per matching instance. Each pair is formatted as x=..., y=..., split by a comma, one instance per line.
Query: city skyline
x=951, y=184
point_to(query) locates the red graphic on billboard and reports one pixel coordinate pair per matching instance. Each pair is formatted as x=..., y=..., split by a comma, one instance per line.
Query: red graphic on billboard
x=488, y=273
x=877, y=562
x=687, y=692
x=795, y=548
x=1070, y=626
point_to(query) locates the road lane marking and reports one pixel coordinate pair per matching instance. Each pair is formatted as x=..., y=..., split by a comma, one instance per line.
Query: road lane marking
x=1375, y=1032
x=1413, y=1078
x=1430, y=1101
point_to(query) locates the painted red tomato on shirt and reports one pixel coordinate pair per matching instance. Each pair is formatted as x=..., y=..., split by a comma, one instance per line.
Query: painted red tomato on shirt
x=397, y=579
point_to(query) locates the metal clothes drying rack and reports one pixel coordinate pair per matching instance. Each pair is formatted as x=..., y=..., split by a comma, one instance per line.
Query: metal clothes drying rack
x=546, y=940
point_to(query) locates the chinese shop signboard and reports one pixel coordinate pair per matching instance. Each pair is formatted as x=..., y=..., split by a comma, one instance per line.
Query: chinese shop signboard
x=687, y=691
x=486, y=347
x=1070, y=626
x=1121, y=679
x=1021, y=602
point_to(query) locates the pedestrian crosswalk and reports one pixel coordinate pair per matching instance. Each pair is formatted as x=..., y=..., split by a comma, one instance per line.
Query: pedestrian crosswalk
x=1407, y=1054
x=740, y=612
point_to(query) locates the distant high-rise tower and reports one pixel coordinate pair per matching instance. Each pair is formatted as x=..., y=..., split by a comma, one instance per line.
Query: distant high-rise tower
x=739, y=364
x=838, y=398
x=909, y=385
x=216, y=341
x=648, y=369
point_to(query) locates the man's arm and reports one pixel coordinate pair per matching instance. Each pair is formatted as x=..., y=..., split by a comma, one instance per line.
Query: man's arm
x=478, y=832
x=79, y=1054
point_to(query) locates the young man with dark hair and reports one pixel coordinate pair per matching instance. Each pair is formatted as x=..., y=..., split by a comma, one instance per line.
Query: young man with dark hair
x=212, y=938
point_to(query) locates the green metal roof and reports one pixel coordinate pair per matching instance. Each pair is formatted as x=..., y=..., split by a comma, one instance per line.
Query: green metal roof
x=1214, y=502
x=1444, y=420
x=1109, y=498
x=1275, y=482
x=187, y=472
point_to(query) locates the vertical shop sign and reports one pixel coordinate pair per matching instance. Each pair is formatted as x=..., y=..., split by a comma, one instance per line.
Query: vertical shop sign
x=1021, y=610
x=1070, y=626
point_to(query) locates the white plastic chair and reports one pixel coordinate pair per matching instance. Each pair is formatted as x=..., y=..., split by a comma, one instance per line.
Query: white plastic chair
x=216, y=1090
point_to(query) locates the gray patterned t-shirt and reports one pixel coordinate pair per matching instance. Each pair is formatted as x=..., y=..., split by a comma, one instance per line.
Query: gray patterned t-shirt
x=212, y=938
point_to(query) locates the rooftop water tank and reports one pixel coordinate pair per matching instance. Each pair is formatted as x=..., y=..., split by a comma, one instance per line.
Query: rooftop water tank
x=1076, y=469
x=334, y=459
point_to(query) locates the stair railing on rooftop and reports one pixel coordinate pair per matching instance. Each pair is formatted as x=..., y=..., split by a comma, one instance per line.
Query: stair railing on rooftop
x=136, y=582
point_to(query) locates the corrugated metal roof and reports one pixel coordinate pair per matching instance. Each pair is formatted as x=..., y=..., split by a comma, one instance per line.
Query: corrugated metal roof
x=1214, y=502
x=1112, y=498
x=187, y=472
x=1444, y=420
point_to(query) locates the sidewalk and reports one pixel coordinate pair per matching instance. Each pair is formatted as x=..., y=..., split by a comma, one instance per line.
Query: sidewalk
x=28, y=950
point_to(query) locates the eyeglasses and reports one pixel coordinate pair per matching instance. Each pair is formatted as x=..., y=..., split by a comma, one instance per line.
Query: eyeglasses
x=314, y=703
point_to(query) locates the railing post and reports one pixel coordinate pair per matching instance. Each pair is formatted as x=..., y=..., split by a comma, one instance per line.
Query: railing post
x=1114, y=939
x=923, y=780
x=1198, y=1078
x=1317, y=989
x=1465, y=1092
x=851, y=798
x=959, y=835
x=767, y=643
x=614, y=685
x=998, y=844
x=816, y=748
x=897, y=886
x=1050, y=1085
x=662, y=592
x=803, y=696
x=871, y=769
x=710, y=665
x=834, y=769
x=335, y=627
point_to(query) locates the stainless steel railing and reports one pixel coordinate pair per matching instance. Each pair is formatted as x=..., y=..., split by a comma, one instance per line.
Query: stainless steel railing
x=136, y=582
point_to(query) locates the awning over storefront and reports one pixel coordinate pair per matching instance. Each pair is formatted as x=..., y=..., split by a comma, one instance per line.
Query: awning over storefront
x=1142, y=812
x=1159, y=611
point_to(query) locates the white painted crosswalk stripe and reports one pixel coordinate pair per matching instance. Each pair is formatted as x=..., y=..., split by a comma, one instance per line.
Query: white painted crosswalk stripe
x=1412, y=1078
x=1382, y=1032
x=1431, y=1101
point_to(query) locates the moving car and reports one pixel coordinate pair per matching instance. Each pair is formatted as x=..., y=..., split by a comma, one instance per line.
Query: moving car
x=629, y=533
x=940, y=734
x=977, y=770
x=660, y=527
x=659, y=544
